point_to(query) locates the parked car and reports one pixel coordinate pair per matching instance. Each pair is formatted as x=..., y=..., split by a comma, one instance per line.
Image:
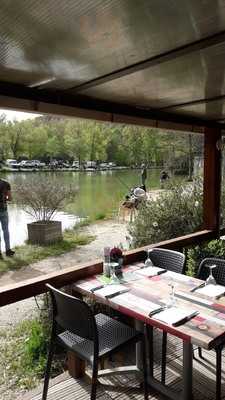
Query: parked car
x=11, y=163
x=90, y=164
x=112, y=164
x=104, y=166
x=76, y=164
x=38, y=164
x=26, y=164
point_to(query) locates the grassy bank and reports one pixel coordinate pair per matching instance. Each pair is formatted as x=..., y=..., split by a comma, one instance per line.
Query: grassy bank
x=24, y=349
x=28, y=254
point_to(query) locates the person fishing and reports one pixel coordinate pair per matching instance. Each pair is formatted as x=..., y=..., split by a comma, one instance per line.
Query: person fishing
x=143, y=176
x=163, y=178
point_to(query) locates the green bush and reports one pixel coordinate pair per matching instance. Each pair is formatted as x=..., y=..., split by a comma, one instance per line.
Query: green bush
x=24, y=350
x=175, y=212
x=214, y=248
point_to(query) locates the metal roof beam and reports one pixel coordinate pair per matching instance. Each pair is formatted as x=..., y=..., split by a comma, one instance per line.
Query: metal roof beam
x=153, y=61
x=19, y=97
x=193, y=102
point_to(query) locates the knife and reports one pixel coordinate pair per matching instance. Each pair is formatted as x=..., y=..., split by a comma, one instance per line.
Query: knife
x=198, y=287
x=110, y=296
x=186, y=319
x=156, y=311
x=162, y=272
x=97, y=288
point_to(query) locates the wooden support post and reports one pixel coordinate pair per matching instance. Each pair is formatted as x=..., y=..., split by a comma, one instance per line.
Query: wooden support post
x=212, y=181
x=76, y=366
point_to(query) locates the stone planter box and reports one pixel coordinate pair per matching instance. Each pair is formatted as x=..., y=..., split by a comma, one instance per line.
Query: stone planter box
x=44, y=232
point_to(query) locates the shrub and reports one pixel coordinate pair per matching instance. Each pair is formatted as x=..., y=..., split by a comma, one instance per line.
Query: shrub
x=42, y=197
x=173, y=213
x=214, y=248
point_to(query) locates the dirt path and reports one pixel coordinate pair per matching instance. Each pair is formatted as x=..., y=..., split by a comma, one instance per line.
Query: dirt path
x=107, y=233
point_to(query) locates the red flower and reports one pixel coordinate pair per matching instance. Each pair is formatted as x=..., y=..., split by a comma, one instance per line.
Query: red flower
x=116, y=253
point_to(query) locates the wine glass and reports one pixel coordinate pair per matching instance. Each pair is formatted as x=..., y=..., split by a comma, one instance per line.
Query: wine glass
x=148, y=261
x=172, y=299
x=210, y=280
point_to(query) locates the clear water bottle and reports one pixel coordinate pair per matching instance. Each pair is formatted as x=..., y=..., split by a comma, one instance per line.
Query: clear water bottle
x=106, y=262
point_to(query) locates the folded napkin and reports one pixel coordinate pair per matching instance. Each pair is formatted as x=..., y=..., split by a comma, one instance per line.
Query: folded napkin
x=211, y=290
x=112, y=290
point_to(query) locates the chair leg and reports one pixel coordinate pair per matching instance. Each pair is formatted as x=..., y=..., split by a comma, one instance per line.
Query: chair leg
x=200, y=352
x=218, y=372
x=144, y=366
x=94, y=381
x=48, y=370
x=164, y=351
x=149, y=332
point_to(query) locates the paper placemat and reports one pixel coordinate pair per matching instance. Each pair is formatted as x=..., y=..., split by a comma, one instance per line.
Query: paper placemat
x=88, y=284
x=211, y=290
x=175, y=315
x=150, y=271
x=109, y=290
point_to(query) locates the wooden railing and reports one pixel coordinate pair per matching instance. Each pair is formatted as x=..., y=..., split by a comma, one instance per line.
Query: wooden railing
x=32, y=287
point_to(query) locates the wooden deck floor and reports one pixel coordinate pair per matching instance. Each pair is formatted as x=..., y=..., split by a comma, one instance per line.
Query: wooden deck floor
x=126, y=387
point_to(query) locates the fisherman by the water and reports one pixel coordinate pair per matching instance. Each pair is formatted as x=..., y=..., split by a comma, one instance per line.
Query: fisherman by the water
x=143, y=176
x=163, y=178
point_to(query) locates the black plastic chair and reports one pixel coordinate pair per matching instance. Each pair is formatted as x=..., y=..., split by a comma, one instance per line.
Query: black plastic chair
x=91, y=337
x=219, y=275
x=168, y=259
x=172, y=261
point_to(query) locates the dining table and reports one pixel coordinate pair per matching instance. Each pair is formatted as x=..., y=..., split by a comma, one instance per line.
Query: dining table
x=177, y=304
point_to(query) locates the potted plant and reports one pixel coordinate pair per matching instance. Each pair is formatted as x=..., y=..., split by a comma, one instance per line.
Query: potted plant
x=41, y=198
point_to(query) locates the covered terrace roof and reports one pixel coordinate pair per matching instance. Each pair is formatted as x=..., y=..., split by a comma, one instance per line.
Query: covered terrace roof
x=154, y=62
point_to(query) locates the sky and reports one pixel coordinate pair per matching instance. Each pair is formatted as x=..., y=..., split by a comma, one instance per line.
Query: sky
x=19, y=116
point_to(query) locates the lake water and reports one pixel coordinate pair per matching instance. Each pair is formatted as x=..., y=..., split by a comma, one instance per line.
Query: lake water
x=98, y=193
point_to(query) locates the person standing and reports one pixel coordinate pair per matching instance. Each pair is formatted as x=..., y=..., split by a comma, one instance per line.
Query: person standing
x=163, y=178
x=5, y=196
x=143, y=176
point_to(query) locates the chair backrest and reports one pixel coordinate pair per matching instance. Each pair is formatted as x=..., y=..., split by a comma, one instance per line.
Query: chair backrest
x=168, y=259
x=73, y=314
x=218, y=273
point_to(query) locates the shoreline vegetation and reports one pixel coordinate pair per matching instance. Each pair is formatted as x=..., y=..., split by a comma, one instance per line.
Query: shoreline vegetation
x=28, y=253
x=66, y=142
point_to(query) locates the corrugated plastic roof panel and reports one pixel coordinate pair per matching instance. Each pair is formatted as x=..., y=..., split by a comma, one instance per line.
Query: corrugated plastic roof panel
x=73, y=42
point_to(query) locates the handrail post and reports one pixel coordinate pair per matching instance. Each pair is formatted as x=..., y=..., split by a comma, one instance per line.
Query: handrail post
x=212, y=180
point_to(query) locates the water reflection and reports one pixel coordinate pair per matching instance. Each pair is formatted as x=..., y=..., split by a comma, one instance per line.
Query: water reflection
x=18, y=221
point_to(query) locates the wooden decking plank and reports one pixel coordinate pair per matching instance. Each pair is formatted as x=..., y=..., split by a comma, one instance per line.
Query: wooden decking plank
x=203, y=378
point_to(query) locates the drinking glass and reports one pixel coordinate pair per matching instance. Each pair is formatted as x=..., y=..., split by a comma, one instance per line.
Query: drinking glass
x=172, y=299
x=106, y=262
x=114, y=278
x=148, y=261
x=210, y=280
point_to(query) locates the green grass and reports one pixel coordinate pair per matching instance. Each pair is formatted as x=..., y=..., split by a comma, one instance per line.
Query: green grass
x=23, y=354
x=100, y=216
x=27, y=254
